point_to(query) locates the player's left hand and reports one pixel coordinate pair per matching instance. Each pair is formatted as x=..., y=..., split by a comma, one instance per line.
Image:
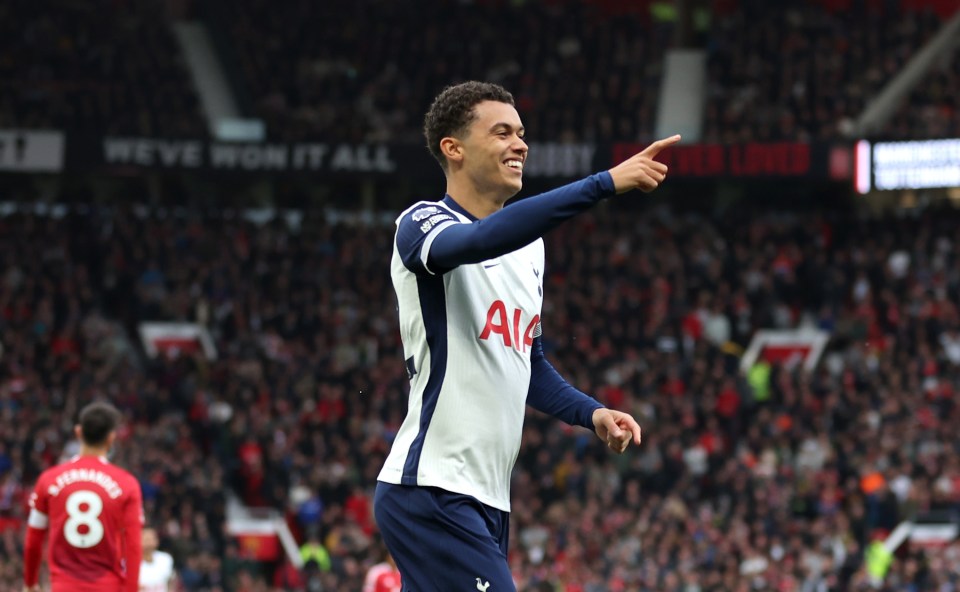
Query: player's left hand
x=641, y=171
x=616, y=428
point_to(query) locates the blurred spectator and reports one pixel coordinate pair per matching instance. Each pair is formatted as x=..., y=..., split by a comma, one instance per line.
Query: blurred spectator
x=157, y=573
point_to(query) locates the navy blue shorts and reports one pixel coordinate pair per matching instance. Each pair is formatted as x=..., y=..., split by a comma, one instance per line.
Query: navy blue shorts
x=443, y=541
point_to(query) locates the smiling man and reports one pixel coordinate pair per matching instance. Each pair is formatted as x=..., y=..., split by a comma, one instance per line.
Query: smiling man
x=468, y=274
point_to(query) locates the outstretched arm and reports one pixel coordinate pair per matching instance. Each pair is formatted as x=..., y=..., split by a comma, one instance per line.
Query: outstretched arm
x=518, y=224
x=431, y=240
x=553, y=395
x=527, y=220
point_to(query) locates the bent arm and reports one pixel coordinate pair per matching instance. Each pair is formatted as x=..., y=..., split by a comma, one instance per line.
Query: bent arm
x=553, y=395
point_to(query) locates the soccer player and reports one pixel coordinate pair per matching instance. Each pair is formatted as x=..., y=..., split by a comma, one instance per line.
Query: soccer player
x=94, y=512
x=383, y=577
x=156, y=568
x=468, y=275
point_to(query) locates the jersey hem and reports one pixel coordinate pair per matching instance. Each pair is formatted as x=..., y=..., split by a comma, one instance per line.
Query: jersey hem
x=452, y=488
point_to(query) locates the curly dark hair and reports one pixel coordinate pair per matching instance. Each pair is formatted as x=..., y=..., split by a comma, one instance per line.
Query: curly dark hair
x=453, y=111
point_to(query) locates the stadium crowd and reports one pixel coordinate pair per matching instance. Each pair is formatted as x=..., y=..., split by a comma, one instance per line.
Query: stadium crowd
x=774, y=481
x=803, y=72
x=94, y=67
x=581, y=71
x=933, y=108
x=311, y=76
x=799, y=70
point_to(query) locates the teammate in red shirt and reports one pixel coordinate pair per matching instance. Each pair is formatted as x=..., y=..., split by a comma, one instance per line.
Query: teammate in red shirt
x=94, y=512
x=383, y=577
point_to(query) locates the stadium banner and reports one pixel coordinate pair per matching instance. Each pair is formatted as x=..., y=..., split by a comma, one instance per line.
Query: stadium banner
x=175, y=339
x=262, y=534
x=789, y=347
x=31, y=151
x=934, y=528
x=567, y=160
x=773, y=160
x=925, y=164
x=934, y=535
x=754, y=160
x=257, y=539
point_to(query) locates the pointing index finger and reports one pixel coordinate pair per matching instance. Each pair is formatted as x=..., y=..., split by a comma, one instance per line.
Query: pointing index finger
x=655, y=148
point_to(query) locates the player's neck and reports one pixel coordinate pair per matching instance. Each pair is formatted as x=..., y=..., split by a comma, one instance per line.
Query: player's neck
x=480, y=204
x=148, y=556
x=96, y=451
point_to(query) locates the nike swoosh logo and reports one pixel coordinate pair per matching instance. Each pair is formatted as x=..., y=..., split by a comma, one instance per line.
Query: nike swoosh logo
x=491, y=265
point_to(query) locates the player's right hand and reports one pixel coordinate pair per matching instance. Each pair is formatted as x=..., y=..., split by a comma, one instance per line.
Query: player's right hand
x=641, y=171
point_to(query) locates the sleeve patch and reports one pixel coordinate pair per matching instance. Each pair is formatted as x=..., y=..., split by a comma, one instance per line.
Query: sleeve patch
x=424, y=213
x=433, y=221
x=416, y=230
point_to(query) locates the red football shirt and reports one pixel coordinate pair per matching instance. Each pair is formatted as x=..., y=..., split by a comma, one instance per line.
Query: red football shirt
x=388, y=582
x=382, y=578
x=94, y=513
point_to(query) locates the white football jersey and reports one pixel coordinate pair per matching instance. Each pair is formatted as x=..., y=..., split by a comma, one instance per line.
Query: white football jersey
x=467, y=337
x=155, y=575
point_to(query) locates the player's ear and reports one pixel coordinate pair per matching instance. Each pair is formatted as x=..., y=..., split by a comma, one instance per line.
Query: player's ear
x=78, y=432
x=452, y=149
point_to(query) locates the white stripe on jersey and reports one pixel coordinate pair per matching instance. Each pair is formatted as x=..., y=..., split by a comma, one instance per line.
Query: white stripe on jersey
x=468, y=332
x=425, y=250
x=38, y=519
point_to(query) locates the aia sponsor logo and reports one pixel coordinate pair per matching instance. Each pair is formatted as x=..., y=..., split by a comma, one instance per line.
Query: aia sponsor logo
x=507, y=327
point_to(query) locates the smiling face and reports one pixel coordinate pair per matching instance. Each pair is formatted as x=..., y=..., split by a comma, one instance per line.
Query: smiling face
x=493, y=150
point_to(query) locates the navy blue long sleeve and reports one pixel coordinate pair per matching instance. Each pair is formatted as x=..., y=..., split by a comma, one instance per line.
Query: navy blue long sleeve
x=518, y=224
x=553, y=395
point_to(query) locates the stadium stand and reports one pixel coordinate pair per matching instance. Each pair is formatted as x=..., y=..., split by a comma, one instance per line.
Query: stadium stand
x=799, y=72
x=803, y=71
x=311, y=76
x=778, y=481
x=735, y=484
x=96, y=67
x=933, y=109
